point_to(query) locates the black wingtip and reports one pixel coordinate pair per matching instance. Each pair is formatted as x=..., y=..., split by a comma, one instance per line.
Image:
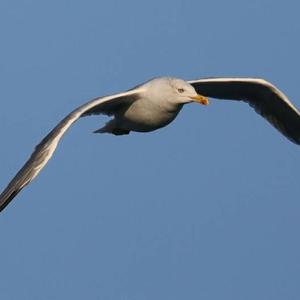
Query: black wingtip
x=6, y=198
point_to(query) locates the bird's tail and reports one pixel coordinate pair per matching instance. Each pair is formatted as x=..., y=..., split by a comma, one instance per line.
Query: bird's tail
x=110, y=127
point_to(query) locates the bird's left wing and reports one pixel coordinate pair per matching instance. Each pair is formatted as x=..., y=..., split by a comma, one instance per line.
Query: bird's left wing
x=265, y=98
x=44, y=150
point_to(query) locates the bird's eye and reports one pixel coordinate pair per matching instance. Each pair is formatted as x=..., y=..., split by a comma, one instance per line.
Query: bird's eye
x=180, y=90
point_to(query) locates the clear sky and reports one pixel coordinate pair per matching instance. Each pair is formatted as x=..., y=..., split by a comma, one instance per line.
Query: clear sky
x=206, y=208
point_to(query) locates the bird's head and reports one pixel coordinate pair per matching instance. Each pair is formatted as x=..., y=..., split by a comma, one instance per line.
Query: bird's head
x=174, y=90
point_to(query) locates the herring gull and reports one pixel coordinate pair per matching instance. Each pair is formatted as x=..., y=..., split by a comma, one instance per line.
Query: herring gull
x=155, y=104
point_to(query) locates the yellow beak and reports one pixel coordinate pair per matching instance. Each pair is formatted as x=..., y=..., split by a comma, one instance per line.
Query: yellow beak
x=200, y=99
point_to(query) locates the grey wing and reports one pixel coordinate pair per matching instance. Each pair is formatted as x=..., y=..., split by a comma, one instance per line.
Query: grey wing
x=264, y=97
x=44, y=150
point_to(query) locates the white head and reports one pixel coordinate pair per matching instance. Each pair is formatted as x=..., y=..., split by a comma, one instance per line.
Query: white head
x=173, y=90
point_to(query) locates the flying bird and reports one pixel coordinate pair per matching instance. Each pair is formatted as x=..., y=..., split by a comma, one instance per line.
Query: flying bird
x=155, y=104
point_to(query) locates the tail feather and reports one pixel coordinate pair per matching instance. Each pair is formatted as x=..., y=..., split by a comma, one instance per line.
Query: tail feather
x=101, y=130
x=110, y=127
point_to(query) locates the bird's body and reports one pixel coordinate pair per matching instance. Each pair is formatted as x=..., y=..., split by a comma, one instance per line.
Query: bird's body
x=150, y=111
x=155, y=104
x=142, y=116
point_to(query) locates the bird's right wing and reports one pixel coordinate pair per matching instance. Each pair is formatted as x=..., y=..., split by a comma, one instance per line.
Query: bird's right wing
x=44, y=150
x=265, y=98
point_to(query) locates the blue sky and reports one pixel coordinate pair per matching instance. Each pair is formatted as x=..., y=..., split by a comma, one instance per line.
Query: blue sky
x=206, y=208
